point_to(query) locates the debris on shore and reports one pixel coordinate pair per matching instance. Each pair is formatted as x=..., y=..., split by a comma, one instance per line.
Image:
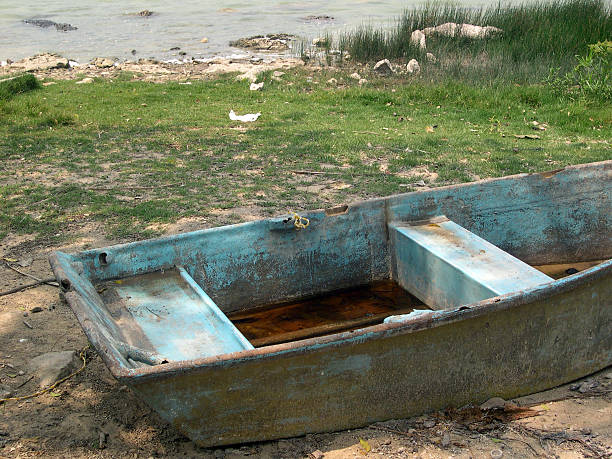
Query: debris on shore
x=269, y=42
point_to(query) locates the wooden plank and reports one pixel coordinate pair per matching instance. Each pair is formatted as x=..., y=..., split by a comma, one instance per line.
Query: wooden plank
x=445, y=265
x=168, y=313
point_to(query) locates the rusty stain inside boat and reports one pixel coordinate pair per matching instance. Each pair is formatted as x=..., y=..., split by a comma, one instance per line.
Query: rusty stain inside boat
x=340, y=310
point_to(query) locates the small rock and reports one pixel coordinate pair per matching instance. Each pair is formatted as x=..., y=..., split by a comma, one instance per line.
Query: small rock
x=332, y=81
x=496, y=453
x=383, y=67
x=45, y=61
x=318, y=454
x=277, y=74
x=25, y=262
x=44, y=23
x=256, y=86
x=587, y=386
x=204, y=40
x=219, y=454
x=418, y=38
x=420, y=183
x=320, y=42
x=362, y=81
x=25, y=314
x=413, y=66
x=36, y=309
x=429, y=423
x=446, y=439
x=52, y=366
x=431, y=58
x=85, y=81
x=102, y=440
x=355, y=76
x=49, y=83
x=5, y=391
x=145, y=13
x=133, y=52
x=270, y=42
x=493, y=404
x=321, y=17
x=474, y=31
x=102, y=62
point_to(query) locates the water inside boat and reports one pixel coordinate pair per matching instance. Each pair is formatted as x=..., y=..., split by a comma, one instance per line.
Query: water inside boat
x=345, y=310
x=333, y=312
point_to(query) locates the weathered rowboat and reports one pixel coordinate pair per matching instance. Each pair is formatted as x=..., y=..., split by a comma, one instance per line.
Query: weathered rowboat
x=170, y=317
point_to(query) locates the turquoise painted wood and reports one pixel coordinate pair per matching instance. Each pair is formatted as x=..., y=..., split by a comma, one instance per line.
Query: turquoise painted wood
x=174, y=317
x=523, y=341
x=446, y=266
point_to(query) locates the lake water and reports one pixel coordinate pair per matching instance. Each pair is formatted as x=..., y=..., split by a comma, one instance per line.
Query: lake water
x=110, y=28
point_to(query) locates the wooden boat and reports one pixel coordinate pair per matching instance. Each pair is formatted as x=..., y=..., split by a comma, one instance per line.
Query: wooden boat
x=383, y=309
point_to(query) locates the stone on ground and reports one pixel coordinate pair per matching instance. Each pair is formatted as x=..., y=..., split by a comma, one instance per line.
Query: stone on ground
x=413, y=66
x=383, y=67
x=53, y=366
x=418, y=38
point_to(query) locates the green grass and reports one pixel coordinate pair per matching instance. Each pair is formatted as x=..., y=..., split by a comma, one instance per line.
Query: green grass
x=11, y=86
x=132, y=157
x=536, y=37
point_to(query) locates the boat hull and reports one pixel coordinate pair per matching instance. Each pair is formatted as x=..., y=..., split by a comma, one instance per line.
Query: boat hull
x=519, y=345
x=510, y=345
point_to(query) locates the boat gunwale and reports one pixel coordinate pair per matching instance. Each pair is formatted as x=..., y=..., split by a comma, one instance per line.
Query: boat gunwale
x=373, y=332
x=388, y=200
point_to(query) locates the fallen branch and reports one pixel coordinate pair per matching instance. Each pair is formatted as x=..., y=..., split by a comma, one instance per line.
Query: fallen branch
x=32, y=277
x=316, y=173
x=27, y=286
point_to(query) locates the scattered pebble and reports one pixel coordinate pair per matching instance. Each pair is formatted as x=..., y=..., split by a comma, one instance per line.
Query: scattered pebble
x=85, y=81
x=36, y=309
x=493, y=404
x=429, y=423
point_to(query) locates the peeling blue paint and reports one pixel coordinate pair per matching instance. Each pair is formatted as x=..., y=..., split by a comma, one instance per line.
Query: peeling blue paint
x=530, y=337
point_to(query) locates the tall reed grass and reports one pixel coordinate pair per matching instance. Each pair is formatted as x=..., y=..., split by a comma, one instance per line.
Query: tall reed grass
x=535, y=38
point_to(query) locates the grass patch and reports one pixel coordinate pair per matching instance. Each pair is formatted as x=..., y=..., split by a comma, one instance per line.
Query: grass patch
x=15, y=85
x=536, y=37
x=134, y=157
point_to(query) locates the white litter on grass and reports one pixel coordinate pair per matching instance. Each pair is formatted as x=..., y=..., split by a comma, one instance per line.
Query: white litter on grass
x=256, y=86
x=249, y=117
x=73, y=64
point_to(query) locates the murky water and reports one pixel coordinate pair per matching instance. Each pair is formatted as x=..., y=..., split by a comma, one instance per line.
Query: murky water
x=111, y=27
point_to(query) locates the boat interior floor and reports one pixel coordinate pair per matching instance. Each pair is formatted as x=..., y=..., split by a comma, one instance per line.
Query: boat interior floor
x=337, y=311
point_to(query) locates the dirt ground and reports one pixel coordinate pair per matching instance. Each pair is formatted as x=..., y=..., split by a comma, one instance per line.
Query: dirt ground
x=572, y=421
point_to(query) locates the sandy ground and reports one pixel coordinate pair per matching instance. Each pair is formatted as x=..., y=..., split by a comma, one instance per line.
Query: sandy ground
x=562, y=423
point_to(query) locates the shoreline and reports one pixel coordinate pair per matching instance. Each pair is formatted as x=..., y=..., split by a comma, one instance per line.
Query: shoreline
x=54, y=66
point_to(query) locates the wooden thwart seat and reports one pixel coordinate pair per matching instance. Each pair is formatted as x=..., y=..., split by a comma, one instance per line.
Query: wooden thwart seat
x=446, y=266
x=168, y=313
